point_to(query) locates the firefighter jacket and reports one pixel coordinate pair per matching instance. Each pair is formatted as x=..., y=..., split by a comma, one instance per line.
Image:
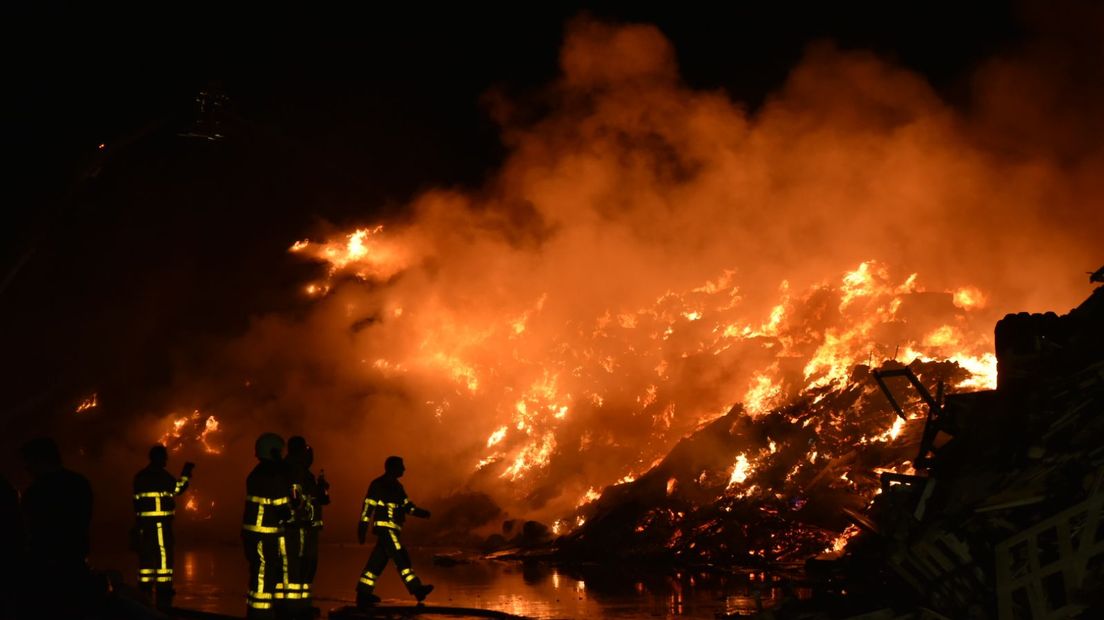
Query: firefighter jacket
x=307, y=497
x=155, y=492
x=267, y=498
x=57, y=508
x=386, y=504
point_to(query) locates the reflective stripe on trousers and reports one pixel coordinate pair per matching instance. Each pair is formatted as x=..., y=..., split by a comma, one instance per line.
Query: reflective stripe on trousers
x=268, y=573
x=302, y=548
x=388, y=547
x=155, y=552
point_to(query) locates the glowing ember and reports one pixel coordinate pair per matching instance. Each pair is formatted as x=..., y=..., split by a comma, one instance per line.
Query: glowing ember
x=590, y=496
x=893, y=431
x=840, y=543
x=90, y=402
x=740, y=470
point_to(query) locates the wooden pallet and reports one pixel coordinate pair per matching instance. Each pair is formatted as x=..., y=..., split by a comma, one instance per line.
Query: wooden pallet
x=940, y=568
x=1041, y=570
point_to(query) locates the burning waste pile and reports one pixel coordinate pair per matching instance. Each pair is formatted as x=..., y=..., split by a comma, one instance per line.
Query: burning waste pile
x=1004, y=517
x=797, y=471
x=763, y=480
x=908, y=460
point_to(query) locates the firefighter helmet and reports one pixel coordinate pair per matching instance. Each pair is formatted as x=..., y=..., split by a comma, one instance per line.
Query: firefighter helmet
x=394, y=466
x=159, y=455
x=269, y=446
x=297, y=444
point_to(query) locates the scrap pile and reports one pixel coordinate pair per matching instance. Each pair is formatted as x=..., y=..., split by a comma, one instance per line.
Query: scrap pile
x=981, y=505
x=1004, y=517
x=796, y=476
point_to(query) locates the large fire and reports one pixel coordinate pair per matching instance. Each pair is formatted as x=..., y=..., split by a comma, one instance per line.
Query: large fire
x=654, y=262
x=650, y=257
x=534, y=374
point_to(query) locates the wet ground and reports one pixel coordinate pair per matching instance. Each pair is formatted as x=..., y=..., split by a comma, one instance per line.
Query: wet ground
x=214, y=579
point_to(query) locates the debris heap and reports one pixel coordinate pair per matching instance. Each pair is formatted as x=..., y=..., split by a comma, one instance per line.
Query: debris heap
x=1005, y=516
x=986, y=504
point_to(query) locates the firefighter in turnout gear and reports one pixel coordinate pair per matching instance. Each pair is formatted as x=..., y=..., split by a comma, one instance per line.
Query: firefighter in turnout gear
x=308, y=495
x=57, y=511
x=267, y=509
x=155, y=492
x=385, y=508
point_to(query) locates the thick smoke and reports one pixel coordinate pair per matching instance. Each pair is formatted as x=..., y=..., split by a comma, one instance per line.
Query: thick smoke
x=632, y=186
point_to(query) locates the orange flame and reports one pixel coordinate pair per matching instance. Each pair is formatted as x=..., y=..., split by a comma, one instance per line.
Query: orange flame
x=538, y=383
x=193, y=426
x=89, y=402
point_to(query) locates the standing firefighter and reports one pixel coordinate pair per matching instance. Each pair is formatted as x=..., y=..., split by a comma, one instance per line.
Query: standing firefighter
x=308, y=495
x=385, y=508
x=267, y=509
x=155, y=492
x=57, y=511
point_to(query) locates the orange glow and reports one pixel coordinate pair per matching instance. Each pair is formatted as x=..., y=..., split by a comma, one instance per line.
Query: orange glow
x=364, y=253
x=536, y=382
x=740, y=471
x=590, y=496
x=761, y=395
x=650, y=255
x=970, y=298
x=840, y=543
x=193, y=427
x=90, y=402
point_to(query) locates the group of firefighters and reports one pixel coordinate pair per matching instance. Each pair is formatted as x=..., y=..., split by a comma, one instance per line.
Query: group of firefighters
x=280, y=527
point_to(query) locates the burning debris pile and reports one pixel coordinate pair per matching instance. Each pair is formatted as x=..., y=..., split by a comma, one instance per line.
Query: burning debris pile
x=580, y=402
x=1005, y=517
x=754, y=490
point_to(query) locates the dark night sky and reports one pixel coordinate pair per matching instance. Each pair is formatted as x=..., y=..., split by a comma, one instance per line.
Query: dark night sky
x=334, y=117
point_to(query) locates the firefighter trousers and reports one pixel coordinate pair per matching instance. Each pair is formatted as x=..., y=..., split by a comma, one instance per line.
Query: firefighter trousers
x=388, y=547
x=155, y=558
x=302, y=550
x=270, y=570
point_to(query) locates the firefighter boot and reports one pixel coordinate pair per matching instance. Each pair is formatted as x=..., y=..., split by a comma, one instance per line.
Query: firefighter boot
x=366, y=599
x=421, y=591
x=165, y=599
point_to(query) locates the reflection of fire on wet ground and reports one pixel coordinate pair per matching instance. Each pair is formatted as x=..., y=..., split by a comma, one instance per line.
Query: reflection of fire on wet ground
x=210, y=579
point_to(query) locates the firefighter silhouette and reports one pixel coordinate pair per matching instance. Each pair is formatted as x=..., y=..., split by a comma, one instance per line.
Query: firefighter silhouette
x=155, y=492
x=57, y=511
x=308, y=495
x=385, y=508
x=267, y=510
